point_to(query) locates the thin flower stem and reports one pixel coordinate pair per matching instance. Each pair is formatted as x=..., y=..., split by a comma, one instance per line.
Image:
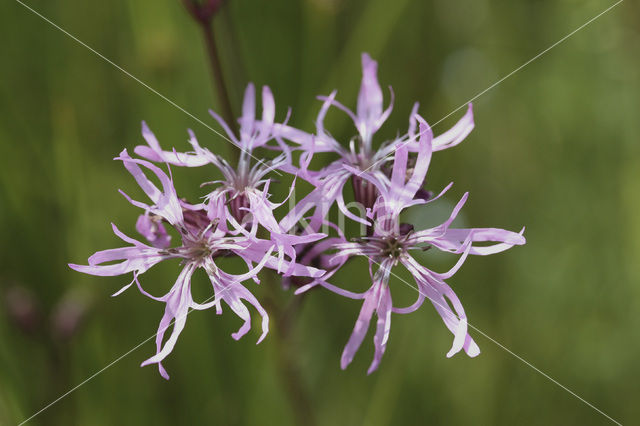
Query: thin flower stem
x=217, y=76
x=203, y=14
x=216, y=73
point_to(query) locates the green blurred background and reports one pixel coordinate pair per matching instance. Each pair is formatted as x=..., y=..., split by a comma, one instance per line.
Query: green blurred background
x=555, y=149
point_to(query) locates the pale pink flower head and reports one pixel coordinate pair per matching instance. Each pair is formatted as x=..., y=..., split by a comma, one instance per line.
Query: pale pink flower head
x=360, y=156
x=242, y=198
x=202, y=242
x=390, y=244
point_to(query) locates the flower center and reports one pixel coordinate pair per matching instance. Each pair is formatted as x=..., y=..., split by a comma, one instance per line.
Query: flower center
x=198, y=250
x=393, y=247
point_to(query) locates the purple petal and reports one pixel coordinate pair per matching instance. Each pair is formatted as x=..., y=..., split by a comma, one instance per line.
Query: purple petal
x=411, y=308
x=226, y=127
x=268, y=113
x=453, y=240
x=436, y=291
x=370, y=98
x=154, y=152
x=423, y=160
x=360, y=329
x=154, y=231
x=383, y=327
x=166, y=201
x=137, y=258
x=337, y=290
x=413, y=122
x=323, y=112
x=248, y=114
x=459, y=263
x=176, y=311
x=232, y=292
x=457, y=133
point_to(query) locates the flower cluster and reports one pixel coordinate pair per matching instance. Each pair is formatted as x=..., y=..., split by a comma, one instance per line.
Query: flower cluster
x=236, y=219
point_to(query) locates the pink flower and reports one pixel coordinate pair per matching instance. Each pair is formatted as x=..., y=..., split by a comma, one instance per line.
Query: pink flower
x=369, y=117
x=202, y=241
x=387, y=178
x=390, y=244
x=242, y=198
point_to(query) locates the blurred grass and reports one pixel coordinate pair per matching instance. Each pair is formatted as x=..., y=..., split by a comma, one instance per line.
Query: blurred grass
x=555, y=149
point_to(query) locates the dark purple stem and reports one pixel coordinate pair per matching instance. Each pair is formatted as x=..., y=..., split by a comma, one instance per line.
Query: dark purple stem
x=203, y=14
x=218, y=79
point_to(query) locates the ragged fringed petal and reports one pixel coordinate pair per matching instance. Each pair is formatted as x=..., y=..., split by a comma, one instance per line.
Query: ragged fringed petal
x=386, y=113
x=256, y=252
x=369, y=109
x=457, y=133
x=345, y=210
x=320, y=199
x=254, y=133
x=401, y=191
x=203, y=156
x=137, y=258
x=261, y=169
x=360, y=329
x=232, y=292
x=248, y=116
x=154, y=152
x=261, y=210
x=304, y=140
x=332, y=288
x=166, y=202
x=153, y=230
x=217, y=208
x=466, y=247
x=342, y=108
x=285, y=244
x=411, y=308
x=448, y=139
x=378, y=299
x=319, y=253
x=253, y=270
x=323, y=113
x=126, y=266
x=383, y=326
x=453, y=239
x=431, y=235
x=424, y=159
x=226, y=128
x=370, y=96
x=176, y=310
x=436, y=291
x=413, y=122
x=268, y=117
x=399, y=171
